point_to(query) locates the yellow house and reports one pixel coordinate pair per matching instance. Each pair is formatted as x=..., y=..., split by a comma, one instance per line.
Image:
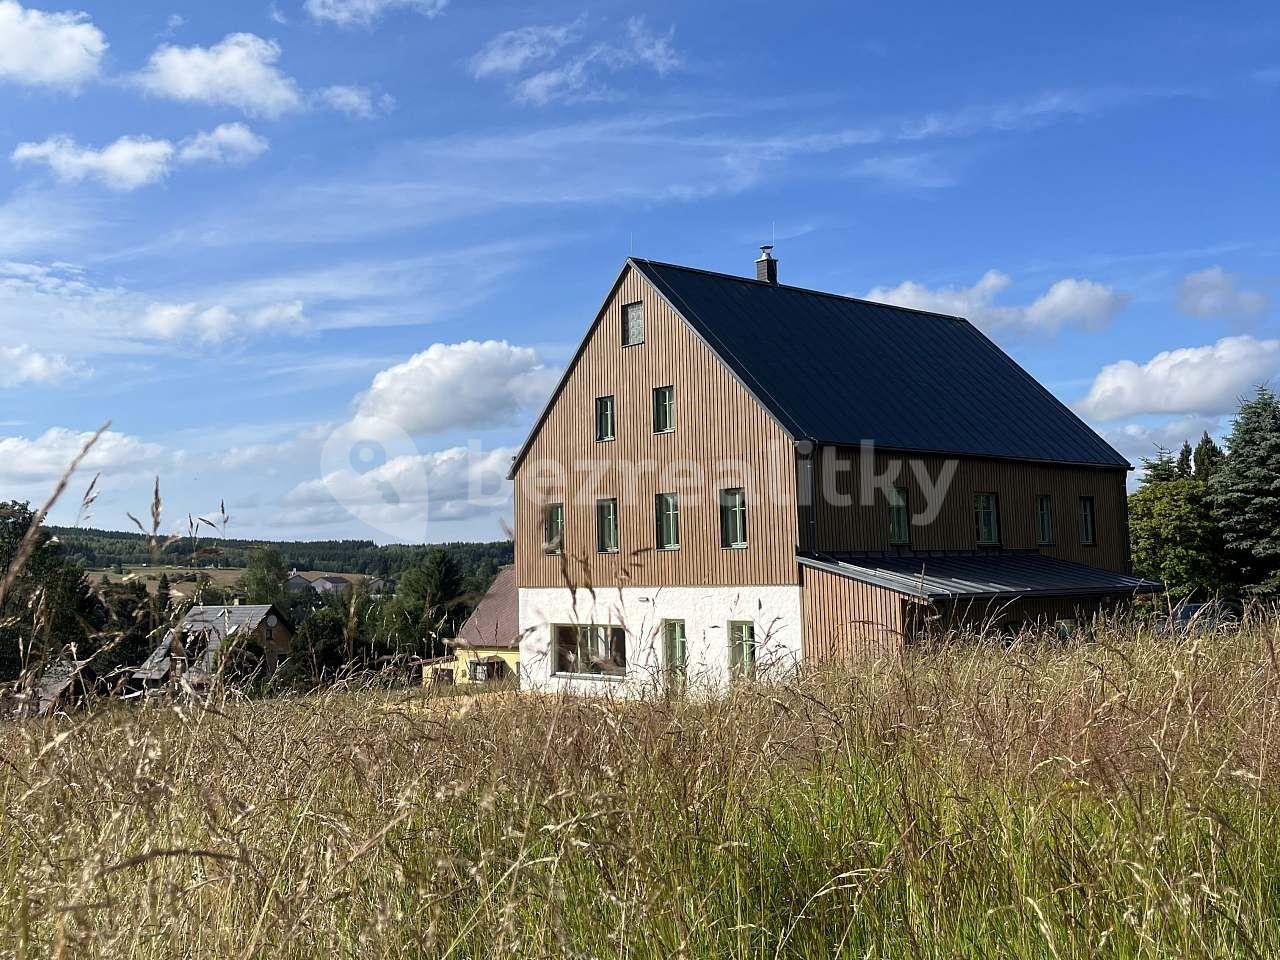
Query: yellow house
x=487, y=647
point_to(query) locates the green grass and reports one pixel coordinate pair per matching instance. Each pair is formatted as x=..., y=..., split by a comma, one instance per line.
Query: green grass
x=1115, y=799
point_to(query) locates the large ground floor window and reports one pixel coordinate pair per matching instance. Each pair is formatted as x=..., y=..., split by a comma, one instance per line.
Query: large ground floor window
x=590, y=649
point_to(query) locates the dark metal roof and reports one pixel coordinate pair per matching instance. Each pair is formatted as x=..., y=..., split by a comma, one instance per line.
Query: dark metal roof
x=495, y=622
x=978, y=576
x=836, y=369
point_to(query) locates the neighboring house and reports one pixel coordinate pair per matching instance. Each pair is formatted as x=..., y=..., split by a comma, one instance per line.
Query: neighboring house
x=319, y=582
x=488, y=645
x=734, y=475
x=64, y=685
x=193, y=650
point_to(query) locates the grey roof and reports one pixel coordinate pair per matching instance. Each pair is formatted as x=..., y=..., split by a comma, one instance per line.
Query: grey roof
x=838, y=370
x=209, y=626
x=978, y=575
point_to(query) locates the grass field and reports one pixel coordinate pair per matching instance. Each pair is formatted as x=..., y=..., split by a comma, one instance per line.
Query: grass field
x=1114, y=799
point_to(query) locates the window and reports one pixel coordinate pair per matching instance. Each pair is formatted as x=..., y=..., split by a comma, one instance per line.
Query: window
x=664, y=409
x=604, y=418
x=632, y=324
x=674, y=653
x=1088, y=522
x=986, y=515
x=742, y=649
x=1044, y=519
x=899, y=517
x=733, y=518
x=553, y=528
x=607, y=525
x=667, y=511
x=590, y=650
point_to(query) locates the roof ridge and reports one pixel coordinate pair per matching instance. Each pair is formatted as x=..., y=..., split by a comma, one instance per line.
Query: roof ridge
x=808, y=290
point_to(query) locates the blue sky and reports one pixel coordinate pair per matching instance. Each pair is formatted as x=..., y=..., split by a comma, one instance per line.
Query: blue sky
x=245, y=231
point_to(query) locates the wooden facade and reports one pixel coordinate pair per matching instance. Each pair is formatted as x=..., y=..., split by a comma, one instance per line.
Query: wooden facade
x=839, y=526
x=846, y=620
x=722, y=438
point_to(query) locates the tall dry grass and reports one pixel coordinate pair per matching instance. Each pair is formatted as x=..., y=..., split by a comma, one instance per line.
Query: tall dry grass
x=1109, y=799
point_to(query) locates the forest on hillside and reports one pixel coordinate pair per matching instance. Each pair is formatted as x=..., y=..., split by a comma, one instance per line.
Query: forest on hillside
x=107, y=548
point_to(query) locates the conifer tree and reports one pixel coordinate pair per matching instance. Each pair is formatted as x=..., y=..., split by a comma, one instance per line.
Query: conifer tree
x=1207, y=458
x=1246, y=494
x=1184, y=460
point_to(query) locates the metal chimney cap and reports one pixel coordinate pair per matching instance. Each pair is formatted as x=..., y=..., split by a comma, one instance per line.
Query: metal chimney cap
x=766, y=251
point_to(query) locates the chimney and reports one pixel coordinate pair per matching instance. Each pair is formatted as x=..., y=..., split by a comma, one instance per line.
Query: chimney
x=766, y=266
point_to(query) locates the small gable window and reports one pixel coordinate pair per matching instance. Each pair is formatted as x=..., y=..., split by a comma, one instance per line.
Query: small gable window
x=664, y=409
x=604, y=418
x=632, y=324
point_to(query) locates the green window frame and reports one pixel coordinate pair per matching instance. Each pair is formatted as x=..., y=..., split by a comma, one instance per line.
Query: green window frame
x=1044, y=519
x=590, y=650
x=664, y=409
x=607, y=525
x=1088, y=522
x=633, y=324
x=899, y=518
x=733, y=518
x=605, y=419
x=986, y=519
x=675, y=649
x=666, y=508
x=553, y=528
x=742, y=649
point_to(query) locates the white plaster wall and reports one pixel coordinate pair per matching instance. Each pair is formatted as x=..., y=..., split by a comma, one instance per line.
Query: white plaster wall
x=706, y=612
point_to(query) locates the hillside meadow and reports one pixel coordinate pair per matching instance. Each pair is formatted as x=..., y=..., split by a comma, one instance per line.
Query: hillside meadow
x=1114, y=798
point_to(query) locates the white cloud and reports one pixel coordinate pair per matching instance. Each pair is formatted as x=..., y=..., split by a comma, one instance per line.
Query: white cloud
x=21, y=365
x=1138, y=440
x=356, y=101
x=348, y=13
x=452, y=386
x=133, y=162
x=126, y=164
x=218, y=323
x=1069, y=302
x=1204, y=380
x=226, y=143
x=580, y=76
x=43, y=459
x=1215, y=293
x=239, y=71
x=48, y=49
x=510, y=52
x=402, y=495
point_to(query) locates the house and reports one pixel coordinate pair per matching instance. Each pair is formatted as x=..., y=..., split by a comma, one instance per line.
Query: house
x=319, y=582
x=735, y=475
x=64, y=685
x=193, y=651
x=488, y=645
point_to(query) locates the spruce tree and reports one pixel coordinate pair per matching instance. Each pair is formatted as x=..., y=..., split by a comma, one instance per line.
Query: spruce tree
x=1160, y=468
x=1184, y=460
x=1207, y=458
x=1246, y=494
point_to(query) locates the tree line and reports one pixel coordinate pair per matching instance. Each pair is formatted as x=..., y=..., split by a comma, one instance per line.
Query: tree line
x=107, y=549
x=1206, y=521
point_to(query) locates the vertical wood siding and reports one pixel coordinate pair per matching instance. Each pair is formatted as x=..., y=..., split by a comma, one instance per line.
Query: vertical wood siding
x=846, y=621
x=856, y=527
x=717, y=420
